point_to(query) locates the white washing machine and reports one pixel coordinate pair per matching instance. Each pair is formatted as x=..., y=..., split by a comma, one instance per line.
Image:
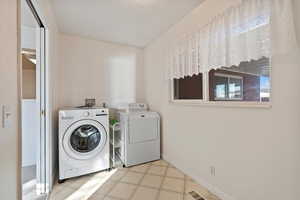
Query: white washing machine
x=141, y=134
x=83, y=141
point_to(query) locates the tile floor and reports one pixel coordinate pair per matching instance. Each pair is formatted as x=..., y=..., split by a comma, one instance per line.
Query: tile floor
x=157, y=180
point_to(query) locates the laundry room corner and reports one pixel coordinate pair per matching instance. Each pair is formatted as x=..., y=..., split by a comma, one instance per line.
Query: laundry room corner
x=150, y=99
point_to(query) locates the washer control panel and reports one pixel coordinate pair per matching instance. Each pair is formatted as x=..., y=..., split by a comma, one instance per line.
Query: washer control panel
x=102, y=112
x=86, y=114
x=69, y=114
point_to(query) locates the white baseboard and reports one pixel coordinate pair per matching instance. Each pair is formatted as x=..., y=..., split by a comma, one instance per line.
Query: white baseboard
x=216, y=191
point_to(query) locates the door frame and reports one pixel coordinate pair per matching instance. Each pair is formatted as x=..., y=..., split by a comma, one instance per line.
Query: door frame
x=41, y=104
x=42, y=95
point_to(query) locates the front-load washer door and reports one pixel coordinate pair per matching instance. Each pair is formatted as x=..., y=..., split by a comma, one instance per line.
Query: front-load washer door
x=84, y=139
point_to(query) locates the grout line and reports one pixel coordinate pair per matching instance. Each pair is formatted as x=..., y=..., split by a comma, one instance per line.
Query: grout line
x=173, y=177
x=115, y=183
x=184, y=187
x=163, y=180
x=146, y=172
x=140, y=182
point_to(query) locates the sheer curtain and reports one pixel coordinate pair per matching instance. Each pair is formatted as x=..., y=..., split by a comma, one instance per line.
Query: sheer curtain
x=249, y=31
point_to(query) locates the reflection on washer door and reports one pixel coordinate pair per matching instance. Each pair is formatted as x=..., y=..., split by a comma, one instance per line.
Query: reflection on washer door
x=85, y=138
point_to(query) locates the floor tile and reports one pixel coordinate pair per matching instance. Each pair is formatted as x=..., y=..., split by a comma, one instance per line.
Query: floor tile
x=152, y=181
x=188, y=197
x=143, y=193
x=132, y=177
x=122, y=191
x=59, y=187
x=140, y=168
x=110, y=198
x=157, y=170
x=96, y=184
x=174, y=173
x=213, y=197
x=125, y=169
x=68, y=182
x=96, y=197
x=66, y=193
x=192, y=186
x=105, y=188
x=123, y=184
x=207, y=197
x=118, y=175
x=76, y=183
x=100, y=175
x=160, y=163
x=173, y=184
x=165, y=195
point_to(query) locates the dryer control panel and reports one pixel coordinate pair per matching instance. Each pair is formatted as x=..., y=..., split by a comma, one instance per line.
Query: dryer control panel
x=137, y=107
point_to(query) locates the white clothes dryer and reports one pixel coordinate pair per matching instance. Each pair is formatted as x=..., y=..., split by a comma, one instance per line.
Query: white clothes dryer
x=83, y=141
x=141, y=134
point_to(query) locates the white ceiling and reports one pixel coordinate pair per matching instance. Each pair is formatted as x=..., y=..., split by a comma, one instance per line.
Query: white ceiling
x=132, y=22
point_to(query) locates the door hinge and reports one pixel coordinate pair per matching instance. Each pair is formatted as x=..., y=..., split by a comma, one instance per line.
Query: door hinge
x=43, y=112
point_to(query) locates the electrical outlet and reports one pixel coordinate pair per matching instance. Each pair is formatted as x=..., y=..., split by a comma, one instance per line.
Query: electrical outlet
x=212, y=171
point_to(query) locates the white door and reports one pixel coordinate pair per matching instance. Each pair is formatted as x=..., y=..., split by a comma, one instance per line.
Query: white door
x=41, y=103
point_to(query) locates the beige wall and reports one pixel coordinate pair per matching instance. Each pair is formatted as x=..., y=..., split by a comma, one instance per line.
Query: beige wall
x=297, y=17
x=109, y=72
x=9, y=95
x=255, y=151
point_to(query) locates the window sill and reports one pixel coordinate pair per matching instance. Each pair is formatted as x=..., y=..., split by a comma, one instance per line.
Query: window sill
x=231, y=104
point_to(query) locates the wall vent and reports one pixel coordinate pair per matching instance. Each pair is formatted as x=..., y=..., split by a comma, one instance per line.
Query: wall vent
x=196, y=196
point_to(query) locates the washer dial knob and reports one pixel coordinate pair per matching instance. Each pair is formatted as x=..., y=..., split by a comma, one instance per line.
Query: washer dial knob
x=86, y=114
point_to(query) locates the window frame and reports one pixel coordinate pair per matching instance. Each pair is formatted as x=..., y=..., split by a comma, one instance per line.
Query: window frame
x=207, y=103
x=229, y=76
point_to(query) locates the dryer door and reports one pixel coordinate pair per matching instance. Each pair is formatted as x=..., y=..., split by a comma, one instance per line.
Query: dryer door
x=143, y=127
x=84, y=139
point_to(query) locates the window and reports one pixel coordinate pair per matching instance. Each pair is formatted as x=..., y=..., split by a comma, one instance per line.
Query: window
x=232, y=52
x=265, y=88
x=188, y=88
x=227, y=87
x=247, y=82
x=250, y=81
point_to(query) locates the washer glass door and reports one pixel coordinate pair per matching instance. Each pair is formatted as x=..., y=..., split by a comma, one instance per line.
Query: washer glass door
x=85, y=138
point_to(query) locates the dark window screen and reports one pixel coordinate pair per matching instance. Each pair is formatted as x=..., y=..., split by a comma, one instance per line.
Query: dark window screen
x=190, y=87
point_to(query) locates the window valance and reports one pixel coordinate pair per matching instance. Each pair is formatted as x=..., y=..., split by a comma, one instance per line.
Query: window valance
x=251, y=30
